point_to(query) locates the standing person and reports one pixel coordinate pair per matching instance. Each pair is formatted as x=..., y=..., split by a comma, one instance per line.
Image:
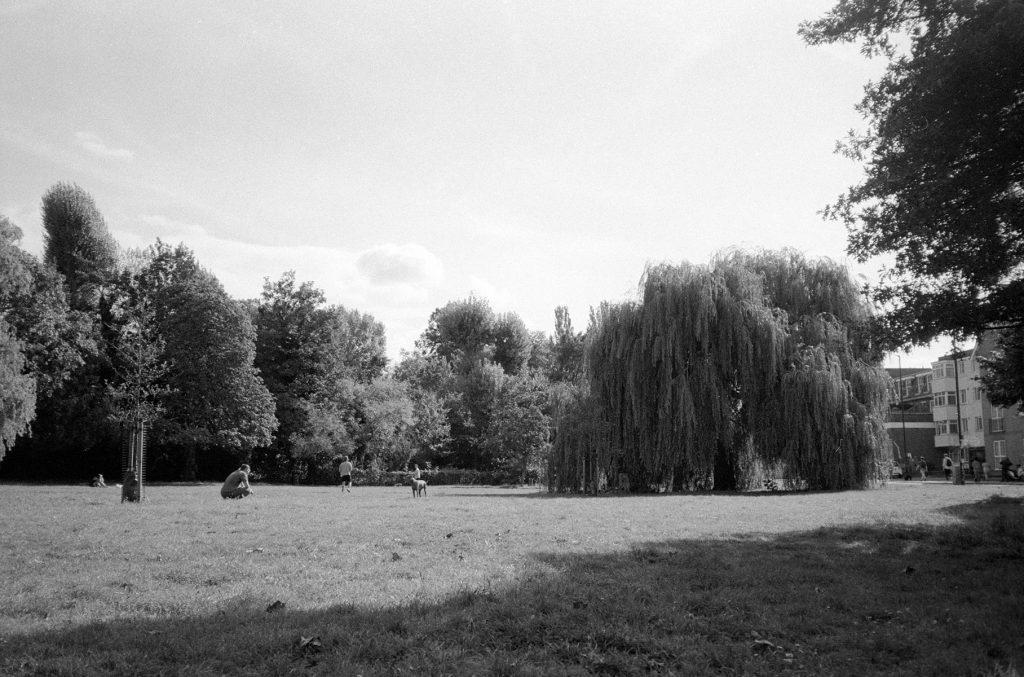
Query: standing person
x=947, y=467
x=416, y=471
x=345, y=470
x=1005, y=465
x=237, y=484
x=976, y=466
x=922, y=465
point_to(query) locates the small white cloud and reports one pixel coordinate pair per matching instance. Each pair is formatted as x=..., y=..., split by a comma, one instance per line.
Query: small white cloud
x=95, y=145
x=400, y=264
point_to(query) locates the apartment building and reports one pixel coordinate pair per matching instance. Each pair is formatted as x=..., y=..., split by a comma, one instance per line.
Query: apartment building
x=944, y=410
x=958, y=406
x=910, y=423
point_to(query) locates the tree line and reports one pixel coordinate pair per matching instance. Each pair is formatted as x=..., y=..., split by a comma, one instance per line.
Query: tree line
x=754, y=359
x=93, y=339
x=755, y=364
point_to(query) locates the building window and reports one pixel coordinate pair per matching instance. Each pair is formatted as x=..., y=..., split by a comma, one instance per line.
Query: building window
x=950, y=370
x=940, y=427
x=963, y=395
x=924, y=384
x=999, y=449
x=937, y=373
x=997, y=420
x=977, y=393
x=963, y=424
x=978, y=425
x=953, y=427
x=940, y=399
x=963, y=366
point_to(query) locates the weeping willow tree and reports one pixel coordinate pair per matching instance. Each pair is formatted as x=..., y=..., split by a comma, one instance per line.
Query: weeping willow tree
x=757, y=358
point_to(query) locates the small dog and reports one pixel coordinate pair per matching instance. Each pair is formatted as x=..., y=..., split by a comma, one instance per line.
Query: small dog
x=419, y=487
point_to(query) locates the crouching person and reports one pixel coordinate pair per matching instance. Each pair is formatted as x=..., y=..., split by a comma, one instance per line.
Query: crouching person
x=237, y=484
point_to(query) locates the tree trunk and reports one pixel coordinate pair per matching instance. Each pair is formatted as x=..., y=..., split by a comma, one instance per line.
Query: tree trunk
x=725, y=469
x=191, y=468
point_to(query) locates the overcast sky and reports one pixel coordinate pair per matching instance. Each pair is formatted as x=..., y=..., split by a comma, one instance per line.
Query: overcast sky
x=401, y=155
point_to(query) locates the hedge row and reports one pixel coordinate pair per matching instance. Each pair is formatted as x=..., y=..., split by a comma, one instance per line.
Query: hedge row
x=382, y=478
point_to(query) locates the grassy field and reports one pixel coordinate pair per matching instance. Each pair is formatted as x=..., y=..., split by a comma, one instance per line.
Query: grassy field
x=911, y=579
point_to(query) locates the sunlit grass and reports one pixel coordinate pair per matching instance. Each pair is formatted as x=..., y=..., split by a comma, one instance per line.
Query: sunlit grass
x=510, y=581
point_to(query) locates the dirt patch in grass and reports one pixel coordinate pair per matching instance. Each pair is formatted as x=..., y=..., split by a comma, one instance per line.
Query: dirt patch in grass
x=922, y=579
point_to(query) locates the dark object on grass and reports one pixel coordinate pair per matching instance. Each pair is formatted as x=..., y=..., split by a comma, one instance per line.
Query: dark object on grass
x=276, y=606
x=130, y=488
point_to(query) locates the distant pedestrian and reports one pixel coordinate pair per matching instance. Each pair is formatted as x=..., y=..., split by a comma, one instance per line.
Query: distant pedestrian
x=237, y=484
x=1005, y=465
x=415, y=471
x=922, y=466
x=947, y=467
x=345, y=470
x=976, y=466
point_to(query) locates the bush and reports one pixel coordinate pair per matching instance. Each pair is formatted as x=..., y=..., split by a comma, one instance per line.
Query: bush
x=438, y=476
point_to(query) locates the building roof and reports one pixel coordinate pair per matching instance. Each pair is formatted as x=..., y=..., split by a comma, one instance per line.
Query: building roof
x=905, y=372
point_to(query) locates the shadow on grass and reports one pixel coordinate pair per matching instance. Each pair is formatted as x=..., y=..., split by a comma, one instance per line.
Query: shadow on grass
x=862, y=600
x=605, y=495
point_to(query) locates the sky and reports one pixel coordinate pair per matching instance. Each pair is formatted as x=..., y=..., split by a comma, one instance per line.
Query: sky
x=402, y=155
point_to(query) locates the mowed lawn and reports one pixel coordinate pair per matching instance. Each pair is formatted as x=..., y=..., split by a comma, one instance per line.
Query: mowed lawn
x=910, y=579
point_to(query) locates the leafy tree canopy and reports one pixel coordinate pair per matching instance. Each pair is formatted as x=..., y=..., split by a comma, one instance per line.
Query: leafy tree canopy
x=943, y=189
x=461, y=331
x=513, y=344
x=77, y=242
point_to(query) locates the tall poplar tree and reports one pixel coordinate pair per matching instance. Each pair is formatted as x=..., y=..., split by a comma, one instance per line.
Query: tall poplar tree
x=77, y=242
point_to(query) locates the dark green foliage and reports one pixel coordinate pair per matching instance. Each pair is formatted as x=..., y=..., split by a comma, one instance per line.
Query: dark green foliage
x=58, y=319
x=57, y=340
x=217, y=398
x=323, y=366
x=358, y=344
x=17, y=388
x=77, y=243
x=474, y=392
x=1003, y=375
x=294, y=357
x=462, y=332
x=429, y=383
x=516, y=438
x=513, y=344
x=943, y=187
x=138, y=388
x=719, y=366
x=566, y=348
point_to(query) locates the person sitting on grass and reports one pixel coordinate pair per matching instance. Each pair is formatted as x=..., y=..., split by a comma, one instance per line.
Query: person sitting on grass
x=98, y=481
x=237, y=484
